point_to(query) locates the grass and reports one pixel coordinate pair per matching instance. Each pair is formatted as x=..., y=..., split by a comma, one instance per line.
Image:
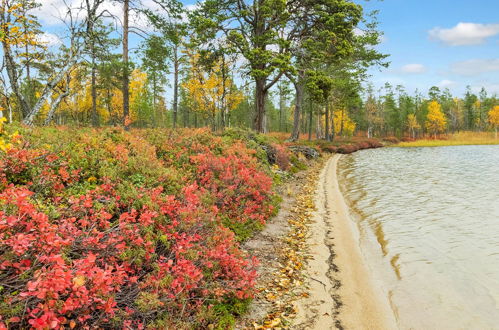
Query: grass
x=456, y=139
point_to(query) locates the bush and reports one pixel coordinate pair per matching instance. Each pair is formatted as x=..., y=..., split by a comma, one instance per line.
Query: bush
x=114, y=229
x=391, y=139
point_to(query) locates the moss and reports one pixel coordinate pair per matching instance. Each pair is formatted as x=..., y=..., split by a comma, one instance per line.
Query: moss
x=276, y=201
x=147, y=302
x=225, y=313
x=297, y=164
x=8, y=310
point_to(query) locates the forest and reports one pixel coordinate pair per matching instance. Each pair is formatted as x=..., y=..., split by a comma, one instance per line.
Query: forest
x=299, y=67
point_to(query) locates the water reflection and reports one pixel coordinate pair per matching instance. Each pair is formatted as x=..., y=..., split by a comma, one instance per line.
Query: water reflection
x=429, y=225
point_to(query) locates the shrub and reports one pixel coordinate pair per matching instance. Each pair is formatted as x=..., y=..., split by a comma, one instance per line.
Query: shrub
x=114, y=229
x=282, y=157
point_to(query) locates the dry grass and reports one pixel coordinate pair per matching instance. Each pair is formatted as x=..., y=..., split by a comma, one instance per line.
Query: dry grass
x=456, y=139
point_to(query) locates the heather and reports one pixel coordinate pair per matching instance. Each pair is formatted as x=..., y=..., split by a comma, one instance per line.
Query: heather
x=113, y=229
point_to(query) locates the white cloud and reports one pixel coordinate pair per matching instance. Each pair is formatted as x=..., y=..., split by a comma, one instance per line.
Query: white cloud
x=51, y=11
x=49, y=39
x=413, y=68
x=464, y=34
x=475, y=67
x=447, y=83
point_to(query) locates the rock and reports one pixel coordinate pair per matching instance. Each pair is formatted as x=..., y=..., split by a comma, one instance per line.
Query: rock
x=308, y=152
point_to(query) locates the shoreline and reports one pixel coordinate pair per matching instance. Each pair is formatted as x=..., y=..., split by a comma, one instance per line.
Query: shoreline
x=342, y=293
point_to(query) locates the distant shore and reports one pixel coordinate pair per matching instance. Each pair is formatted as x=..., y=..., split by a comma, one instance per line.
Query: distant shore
x=456, y=139
x=342, y=292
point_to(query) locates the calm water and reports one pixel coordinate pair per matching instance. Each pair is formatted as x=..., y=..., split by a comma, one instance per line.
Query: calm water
x=429, y=227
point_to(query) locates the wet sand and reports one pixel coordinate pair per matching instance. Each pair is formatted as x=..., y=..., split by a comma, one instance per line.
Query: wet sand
x=342, y=293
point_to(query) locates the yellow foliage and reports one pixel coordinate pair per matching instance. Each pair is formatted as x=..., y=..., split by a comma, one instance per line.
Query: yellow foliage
x=210, y=91
x=16, y=31
x=342, y=120
x=4, y=144
x=138, y=81
x=412, y=122
x=494, y=116
x=435, y=121
x=79, y=104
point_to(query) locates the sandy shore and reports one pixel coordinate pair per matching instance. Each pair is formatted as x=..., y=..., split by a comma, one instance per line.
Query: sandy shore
x=342, y=294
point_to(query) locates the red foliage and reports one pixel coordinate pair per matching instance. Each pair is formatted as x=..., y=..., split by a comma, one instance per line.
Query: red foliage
x=89, y=259
x=282, y=157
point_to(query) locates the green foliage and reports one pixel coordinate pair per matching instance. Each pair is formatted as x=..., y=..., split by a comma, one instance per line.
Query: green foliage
x=225, y=313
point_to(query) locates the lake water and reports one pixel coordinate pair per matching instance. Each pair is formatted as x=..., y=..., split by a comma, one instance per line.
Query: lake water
x=429, y=229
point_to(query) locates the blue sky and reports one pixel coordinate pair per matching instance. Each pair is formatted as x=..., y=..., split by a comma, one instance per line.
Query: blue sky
x=441, y=43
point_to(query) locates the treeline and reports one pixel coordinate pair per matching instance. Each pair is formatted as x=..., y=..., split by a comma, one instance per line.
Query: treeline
x=272, y=65
x=266, y=64
x=393, y=111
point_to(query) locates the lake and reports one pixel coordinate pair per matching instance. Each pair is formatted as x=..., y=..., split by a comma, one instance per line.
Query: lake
x=428, y=220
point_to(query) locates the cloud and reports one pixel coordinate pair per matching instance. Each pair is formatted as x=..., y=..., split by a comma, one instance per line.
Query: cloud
x=49, y=39
x=475, y=67
x=464, y=34
x=51, y=11
x=413, y=68
x=447, y=83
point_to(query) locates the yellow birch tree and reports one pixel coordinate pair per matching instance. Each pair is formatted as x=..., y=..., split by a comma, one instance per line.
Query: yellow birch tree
x=210, y=91
x=435, y=121
x=412, y=124
x=494, y=117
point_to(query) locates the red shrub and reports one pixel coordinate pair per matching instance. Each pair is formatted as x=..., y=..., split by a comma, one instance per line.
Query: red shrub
x=77, y=254
x=282, y=157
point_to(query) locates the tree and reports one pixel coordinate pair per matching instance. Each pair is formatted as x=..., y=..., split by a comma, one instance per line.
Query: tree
x=412, y=124
x=320, y=33
x=251, y=28
x=435, y=121
x=15, y=23
x=126, y=69
x=173, y=32
x=211, y=91
x=284, y=93
x=494, y=117
x=98, y=45
x=154, y=61
x=470, y=100
x=343, y=123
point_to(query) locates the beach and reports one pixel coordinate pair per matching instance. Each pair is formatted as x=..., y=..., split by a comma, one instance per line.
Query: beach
x=342, y=293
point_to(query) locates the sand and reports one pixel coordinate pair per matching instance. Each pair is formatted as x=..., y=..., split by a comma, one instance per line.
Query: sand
x=342, y=293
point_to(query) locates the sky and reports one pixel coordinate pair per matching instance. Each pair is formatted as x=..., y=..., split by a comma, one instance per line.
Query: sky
x=445, y=43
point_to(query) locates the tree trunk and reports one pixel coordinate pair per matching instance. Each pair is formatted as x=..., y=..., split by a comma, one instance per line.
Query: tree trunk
x=10, y=111
x=154, y=92
x=10, y=65
x=261, y=96
x=54, y=106
x=333, y=127
x=176, y=65
x=281, y=108
x=310, y=120
x=126, y=74
x=47, y=93
x=95, y=118
x=327, y=136
x=299, y=88
x=342, y=121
